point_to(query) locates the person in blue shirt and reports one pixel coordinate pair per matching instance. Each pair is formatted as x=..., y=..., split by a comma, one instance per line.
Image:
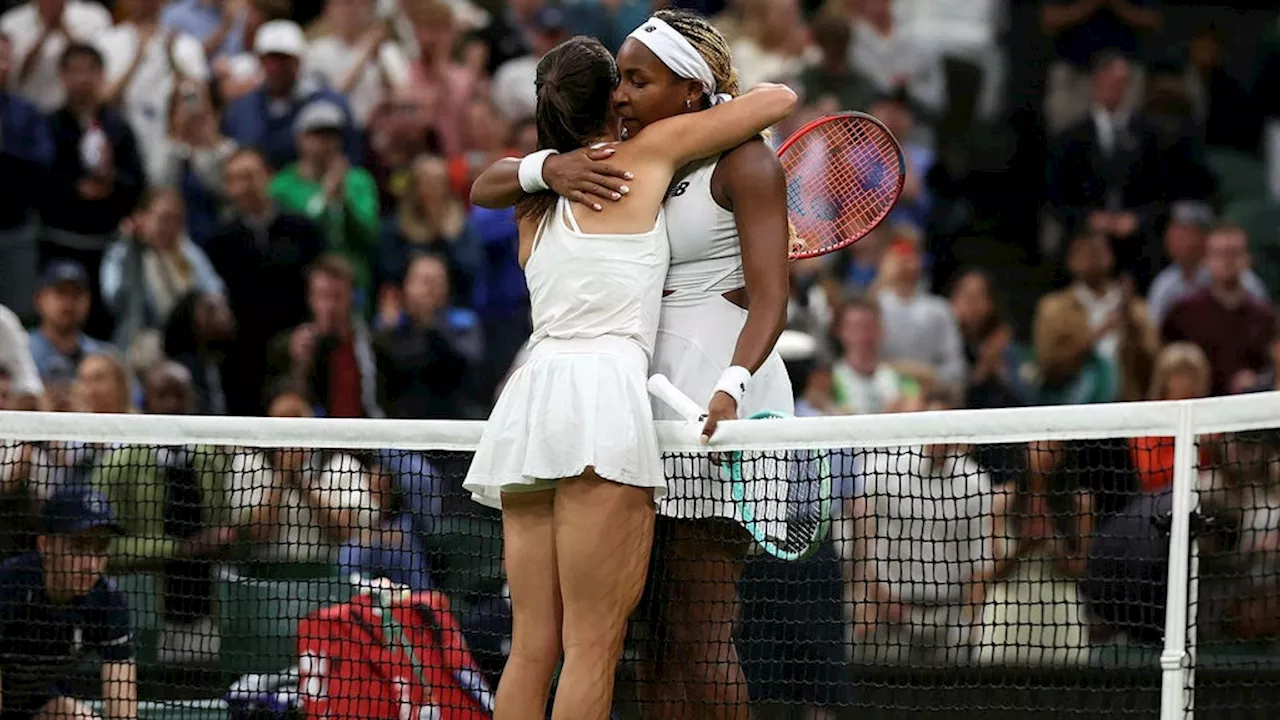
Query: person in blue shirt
x=56, y=607
x=264, y=119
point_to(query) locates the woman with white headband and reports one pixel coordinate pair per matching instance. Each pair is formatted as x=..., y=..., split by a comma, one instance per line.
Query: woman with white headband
x=570, y=451
x=727, y=225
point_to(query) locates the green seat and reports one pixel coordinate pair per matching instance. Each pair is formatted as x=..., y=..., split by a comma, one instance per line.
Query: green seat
x=260, y=616
x=468, y=555
x=1261, y=220
x=143, y=594
x=1240, y=176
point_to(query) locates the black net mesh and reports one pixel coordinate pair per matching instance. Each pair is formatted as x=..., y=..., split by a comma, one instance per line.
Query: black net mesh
x=1234, y=615
x=999, y=581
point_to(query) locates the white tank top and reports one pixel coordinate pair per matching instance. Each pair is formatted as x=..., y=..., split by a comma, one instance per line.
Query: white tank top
x=705, y=254
x=591, y=285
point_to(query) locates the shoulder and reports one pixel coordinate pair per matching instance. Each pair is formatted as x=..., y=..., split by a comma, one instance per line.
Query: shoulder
x=243, y=103
x=18, y=17
x=19, y=573
x=1057, y=300
x=362, y=177
x=107, y=595
x=322, y=49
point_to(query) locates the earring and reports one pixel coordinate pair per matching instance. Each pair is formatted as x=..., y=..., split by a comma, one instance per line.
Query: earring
x=688, y=104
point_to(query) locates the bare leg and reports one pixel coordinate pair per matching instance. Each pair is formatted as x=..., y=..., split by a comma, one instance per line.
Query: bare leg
x=529, y=550
x=604, y=532
x=699, y=674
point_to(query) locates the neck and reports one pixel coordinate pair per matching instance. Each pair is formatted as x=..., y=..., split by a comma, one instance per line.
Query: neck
x=904, y=288
x=64, y=340
x=350, y=33
x=256, y=208
x=884, y=25
x=278, y=93
x=145, y=20
x=82, y=108
x=1097, y=286
x=423, y=317
x=312, y=168
x=1189, y=267
x=862, y=363
x=1229, y=294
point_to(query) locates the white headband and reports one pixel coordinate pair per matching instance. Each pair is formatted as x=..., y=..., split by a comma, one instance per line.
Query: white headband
x=678, y=54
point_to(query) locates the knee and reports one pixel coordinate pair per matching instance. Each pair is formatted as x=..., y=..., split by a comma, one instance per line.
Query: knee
x=538, y=648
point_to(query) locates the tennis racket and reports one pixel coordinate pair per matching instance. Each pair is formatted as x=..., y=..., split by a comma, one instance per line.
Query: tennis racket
x=844, y=175
x=782, y=498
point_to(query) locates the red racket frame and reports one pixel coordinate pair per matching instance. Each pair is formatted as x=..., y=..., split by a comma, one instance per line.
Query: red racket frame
x=902, y=177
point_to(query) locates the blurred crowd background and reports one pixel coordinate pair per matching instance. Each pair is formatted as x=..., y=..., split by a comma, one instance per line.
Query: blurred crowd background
x=275, y=195
x=252, y=207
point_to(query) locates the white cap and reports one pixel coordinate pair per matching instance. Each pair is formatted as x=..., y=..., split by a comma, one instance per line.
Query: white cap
x=280, y=37
x=320, y=115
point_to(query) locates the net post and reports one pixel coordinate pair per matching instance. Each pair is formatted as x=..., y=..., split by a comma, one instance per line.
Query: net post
x=1177, y=660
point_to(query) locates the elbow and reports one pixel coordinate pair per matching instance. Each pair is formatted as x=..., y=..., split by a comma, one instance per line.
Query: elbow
x=482, y=199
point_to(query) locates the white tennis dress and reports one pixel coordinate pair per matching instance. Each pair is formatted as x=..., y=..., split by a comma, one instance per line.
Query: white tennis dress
x=581, y=399
x=698, y=332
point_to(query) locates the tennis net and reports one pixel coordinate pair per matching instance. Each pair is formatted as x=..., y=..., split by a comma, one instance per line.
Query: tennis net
x=1057, y=561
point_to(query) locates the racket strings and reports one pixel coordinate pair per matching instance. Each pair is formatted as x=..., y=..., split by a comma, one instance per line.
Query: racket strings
x=843, y=178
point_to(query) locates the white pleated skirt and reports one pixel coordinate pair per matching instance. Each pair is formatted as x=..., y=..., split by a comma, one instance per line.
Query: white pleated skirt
x=574, y=404
x=697, y=335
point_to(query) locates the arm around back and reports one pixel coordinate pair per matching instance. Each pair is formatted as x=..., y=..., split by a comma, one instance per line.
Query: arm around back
x=691, y=136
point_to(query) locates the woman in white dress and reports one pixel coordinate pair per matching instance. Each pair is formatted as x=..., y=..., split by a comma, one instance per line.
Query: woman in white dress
x=723, y=307
x=570, y=453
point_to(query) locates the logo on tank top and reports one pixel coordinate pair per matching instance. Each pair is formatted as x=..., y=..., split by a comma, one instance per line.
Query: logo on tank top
x=678, y=189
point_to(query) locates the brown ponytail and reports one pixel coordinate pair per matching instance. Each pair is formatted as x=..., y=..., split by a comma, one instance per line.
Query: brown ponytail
x=575, y=82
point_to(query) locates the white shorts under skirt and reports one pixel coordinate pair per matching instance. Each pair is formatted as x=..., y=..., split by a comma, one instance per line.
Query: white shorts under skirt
x=696, y=339
x=574, y=404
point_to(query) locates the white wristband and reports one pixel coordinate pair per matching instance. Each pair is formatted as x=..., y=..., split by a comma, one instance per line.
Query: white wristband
x=733, y=382
x=531, y=171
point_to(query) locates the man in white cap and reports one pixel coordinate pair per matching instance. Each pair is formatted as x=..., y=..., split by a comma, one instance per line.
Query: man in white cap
x=265, y=118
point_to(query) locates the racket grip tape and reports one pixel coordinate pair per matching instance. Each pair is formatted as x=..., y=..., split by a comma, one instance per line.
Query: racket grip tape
x=666, y=391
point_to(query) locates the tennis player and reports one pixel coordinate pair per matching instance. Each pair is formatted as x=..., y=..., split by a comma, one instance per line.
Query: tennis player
x=570, y=453
x=727, y=223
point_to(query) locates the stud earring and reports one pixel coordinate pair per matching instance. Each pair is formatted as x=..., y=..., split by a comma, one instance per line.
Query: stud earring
x=688, y=104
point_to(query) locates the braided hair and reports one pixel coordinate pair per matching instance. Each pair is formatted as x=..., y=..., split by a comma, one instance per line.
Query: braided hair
x=714, y=49
x=575, y=83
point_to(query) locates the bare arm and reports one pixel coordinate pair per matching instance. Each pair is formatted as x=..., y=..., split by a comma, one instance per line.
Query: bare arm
x=757, y=191
x=688, y=137
x=581, y=175
x=1056, y=18
x=120, y=690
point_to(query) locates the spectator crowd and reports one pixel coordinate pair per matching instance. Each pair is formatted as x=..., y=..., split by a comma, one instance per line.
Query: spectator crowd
x=252, y=207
